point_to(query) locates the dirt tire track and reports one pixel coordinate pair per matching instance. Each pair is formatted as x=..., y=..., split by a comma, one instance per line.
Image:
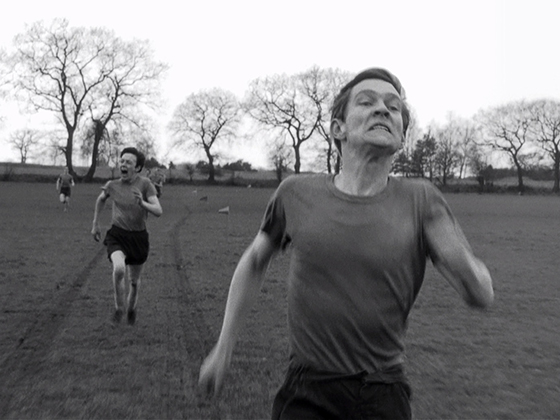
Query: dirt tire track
x=192, y=323
x=199, y=345
x=34, y=344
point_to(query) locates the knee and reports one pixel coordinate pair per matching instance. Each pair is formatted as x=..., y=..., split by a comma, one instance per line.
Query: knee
x=119, y=270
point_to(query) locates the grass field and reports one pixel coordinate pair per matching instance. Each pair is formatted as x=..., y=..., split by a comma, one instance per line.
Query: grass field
x=61, y=357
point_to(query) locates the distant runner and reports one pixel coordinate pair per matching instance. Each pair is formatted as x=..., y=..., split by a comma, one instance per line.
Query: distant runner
x=64, y=185
x=127, y=240
x=158, y=178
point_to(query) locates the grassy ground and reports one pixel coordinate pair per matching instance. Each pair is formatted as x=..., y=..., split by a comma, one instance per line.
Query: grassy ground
x=61, y=357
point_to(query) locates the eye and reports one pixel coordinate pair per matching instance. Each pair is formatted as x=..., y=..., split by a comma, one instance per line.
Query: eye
x=394, y=106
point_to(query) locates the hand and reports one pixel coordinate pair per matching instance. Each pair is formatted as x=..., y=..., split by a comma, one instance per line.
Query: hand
x=96, y=232
x=212, y=372
x=138, y=195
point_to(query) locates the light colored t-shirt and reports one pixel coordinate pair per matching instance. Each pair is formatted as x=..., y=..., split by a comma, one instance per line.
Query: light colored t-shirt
x=357, y=265
x=127, y=214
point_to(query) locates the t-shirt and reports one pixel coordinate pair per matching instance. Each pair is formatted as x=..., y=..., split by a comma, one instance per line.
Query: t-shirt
x=65, y=180
x=357, y=264
x=127, y=214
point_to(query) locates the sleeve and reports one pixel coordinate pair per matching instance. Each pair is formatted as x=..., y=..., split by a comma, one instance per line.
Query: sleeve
x=438, y=217
x=274, y=220
x=149, y=189
x=107, y=188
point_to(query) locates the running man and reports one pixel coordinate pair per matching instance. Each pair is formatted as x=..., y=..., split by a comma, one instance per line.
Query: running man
x=64, y=185
x=360, y=242
x=127, y=240
x=158, y=178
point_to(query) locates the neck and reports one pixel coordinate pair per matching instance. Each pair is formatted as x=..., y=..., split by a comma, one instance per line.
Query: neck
x=364, y=178
x=132, y=178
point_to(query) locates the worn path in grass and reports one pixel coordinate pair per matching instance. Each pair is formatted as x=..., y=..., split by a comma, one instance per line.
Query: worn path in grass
x=61, y=355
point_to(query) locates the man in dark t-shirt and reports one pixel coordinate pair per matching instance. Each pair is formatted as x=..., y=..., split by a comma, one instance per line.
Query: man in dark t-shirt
x=127, y=240
x=360, y=241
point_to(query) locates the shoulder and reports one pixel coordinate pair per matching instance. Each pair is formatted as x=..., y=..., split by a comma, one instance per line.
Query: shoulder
x=303, y=182
x=415, y=185
x=143, y=181
x=111, y=184
x=145, y=184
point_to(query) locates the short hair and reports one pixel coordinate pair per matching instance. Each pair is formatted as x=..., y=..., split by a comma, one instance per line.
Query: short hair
x=140, y=158
x=340, y=103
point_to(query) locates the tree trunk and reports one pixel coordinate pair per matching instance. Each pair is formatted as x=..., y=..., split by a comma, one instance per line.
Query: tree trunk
x=520, y=186
x=98, y=135
x=329, y=157
x=279, y=169
x=556, y=187
x=211, y=170
x=297, y=165
x=68, y=154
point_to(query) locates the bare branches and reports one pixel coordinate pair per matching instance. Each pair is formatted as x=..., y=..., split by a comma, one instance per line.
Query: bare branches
x=204, y=119
x=73, y=71
x=25, y=140
x=507, y=128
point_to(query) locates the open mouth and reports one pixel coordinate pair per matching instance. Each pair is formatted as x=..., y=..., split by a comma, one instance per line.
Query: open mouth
x=380, y=127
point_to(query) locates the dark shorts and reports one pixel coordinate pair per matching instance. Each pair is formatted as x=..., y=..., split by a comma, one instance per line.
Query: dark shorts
x=65, y=191
x=311, y=395
x=134, y=244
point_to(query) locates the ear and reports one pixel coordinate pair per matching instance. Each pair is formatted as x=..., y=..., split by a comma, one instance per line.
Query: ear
x=338, y=129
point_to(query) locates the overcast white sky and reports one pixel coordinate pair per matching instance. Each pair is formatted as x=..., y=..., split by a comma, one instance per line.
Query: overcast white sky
x=456, y=56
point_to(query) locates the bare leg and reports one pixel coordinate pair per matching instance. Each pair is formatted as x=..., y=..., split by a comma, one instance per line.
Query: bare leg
x=119, y=270
x=134, y=273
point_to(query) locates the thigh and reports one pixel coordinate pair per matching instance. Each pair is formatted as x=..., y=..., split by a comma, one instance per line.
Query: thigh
x=118, y=259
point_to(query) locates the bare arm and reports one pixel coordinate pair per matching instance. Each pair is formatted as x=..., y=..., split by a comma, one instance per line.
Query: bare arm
x=454, y=259
x=152, y=205
x=99, y=205
x=245, y=286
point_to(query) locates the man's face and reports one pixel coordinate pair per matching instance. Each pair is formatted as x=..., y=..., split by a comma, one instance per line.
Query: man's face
x=127, y=165
x=373, y=117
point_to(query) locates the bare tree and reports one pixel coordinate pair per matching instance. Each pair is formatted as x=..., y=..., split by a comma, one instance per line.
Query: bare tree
x=463, y=132
x=422, y=160
x=280, y=157
x=446, y=156
x=506, y=128
x=70, y=71
x=131, y=87
x=282, y=102
x=403, y=161
x=24, y=140
x=545, y=125
x=322, y=86
x=204, y=119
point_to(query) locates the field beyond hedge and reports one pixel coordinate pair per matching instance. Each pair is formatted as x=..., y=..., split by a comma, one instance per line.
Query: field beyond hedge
x=61, y=357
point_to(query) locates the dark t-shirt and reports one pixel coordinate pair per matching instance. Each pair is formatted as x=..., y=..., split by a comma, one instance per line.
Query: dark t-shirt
x=127, y=214
x=65, y=180
x=357, y=264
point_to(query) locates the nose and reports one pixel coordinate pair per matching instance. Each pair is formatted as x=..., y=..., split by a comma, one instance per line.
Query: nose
x=380, y=108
